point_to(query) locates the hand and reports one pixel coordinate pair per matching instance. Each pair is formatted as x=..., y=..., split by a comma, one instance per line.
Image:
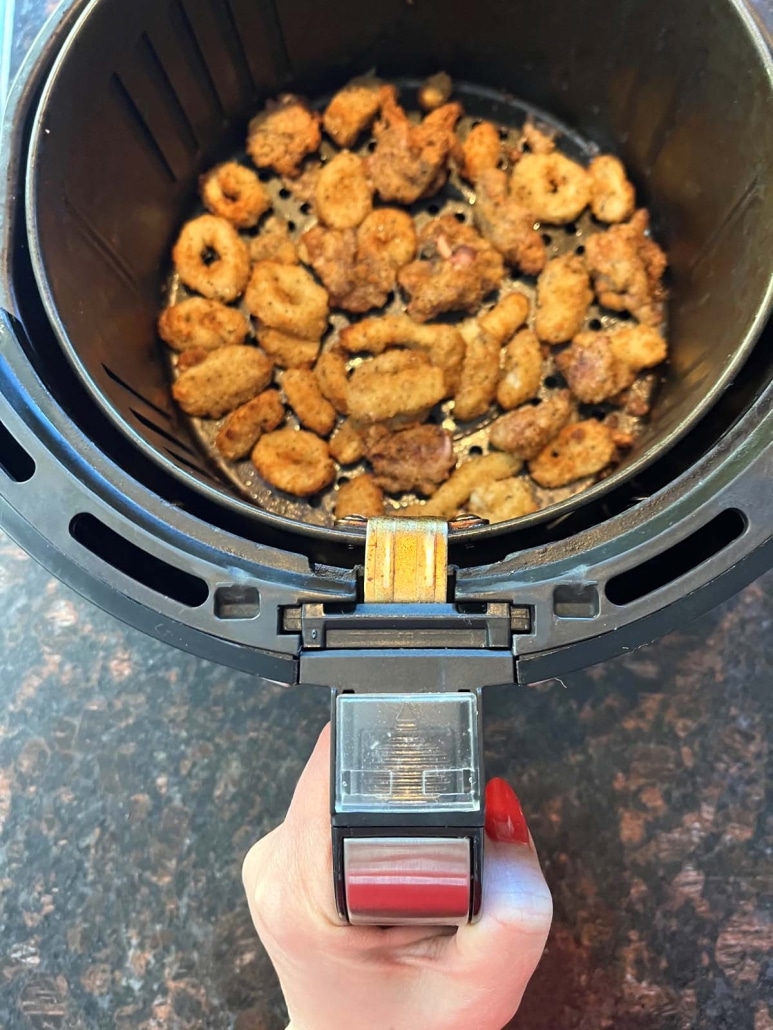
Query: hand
x=338, y=977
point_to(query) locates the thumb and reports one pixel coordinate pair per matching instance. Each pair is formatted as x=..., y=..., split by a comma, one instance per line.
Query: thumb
x=506, y=944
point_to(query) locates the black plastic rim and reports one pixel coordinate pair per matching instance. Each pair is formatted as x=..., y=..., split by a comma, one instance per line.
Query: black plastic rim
x=245, y=509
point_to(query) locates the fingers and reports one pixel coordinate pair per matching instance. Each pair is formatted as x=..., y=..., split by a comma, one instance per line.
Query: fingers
x=506, y=944
x=288, y=875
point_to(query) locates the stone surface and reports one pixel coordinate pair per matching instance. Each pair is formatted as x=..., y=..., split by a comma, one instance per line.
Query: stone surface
x=133, y=778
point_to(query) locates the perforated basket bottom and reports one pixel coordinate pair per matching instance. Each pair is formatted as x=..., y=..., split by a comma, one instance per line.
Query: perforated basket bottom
x=456, y=198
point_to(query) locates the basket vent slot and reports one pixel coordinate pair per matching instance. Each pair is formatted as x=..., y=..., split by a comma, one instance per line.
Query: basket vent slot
x=655, y=573
x=130, y=389
x=14, y=460
x=154, y=573
x=150, y=424
x=576, y=601
x=237, y=602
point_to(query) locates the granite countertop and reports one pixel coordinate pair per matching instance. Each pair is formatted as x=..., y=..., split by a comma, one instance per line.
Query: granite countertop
x=133, y=778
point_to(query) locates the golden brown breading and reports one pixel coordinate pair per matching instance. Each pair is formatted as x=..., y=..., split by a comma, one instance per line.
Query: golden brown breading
x=203, y=324
x=334, y=380
x=598, y=366
x=507, y=315
x=234, y=192
x=343, y=197
x=352, y=110
x=332, y=253
x=507, y=224
x=286, y=350
x=273, y=243
x=527, y=430
x=282, y=134
x=417, y=459
x=346, y=444
x=225, y=379
x=627, y=269
x=240, y=431
x=455, y=492
x=503, y=499
x=360, y=496
x=521, y=370
x=458, y=270
x=481, y=151
x=581, y=449
x=435, y=91
x=480, y=373
x=359, y=269
x=592, y=370
x=563, y=298
x=295, y=461
x=301, y=388
x=212, y=258
x=286, y=297
x=387, y=236
x=552, y=187
x=443, y=343
x=396, y=384
x=613, y=197
x=411, y=161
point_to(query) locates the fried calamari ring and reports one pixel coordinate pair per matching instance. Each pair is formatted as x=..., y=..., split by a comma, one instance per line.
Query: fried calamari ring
x=201, y=324
x=211, y=258
x=286, y=297
x=234, y=192
x=294, y=461
x=552, y=187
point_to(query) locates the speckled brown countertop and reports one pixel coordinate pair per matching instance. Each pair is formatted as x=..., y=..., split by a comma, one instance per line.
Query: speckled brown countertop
x=133, y=778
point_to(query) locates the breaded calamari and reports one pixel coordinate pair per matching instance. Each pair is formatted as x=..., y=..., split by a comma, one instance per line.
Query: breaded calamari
x=458, y=268
x=227, y=378
x=580, y=449
x=527, y=430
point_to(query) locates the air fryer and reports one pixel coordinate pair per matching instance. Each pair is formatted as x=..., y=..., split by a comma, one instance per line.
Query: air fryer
x=118, y=109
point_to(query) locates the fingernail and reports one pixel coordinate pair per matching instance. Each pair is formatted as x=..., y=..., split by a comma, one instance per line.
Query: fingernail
x=505, y=820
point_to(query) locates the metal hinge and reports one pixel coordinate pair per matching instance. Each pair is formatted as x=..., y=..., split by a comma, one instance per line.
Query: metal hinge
x=405, y=600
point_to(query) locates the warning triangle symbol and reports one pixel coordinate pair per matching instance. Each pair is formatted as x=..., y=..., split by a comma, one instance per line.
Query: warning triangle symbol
x=406, y=715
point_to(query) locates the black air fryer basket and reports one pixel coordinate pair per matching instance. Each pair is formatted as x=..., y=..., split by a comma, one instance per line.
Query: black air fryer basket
x=119, y=108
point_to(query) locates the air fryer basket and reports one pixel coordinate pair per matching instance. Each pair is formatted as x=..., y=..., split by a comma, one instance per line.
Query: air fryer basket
x=118, y=109
x=174, y=92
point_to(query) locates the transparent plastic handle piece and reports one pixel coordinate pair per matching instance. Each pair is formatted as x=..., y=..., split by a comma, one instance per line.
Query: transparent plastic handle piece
x=406, y=778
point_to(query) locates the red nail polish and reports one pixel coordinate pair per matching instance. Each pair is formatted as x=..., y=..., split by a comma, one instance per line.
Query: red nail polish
x=505, y=820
